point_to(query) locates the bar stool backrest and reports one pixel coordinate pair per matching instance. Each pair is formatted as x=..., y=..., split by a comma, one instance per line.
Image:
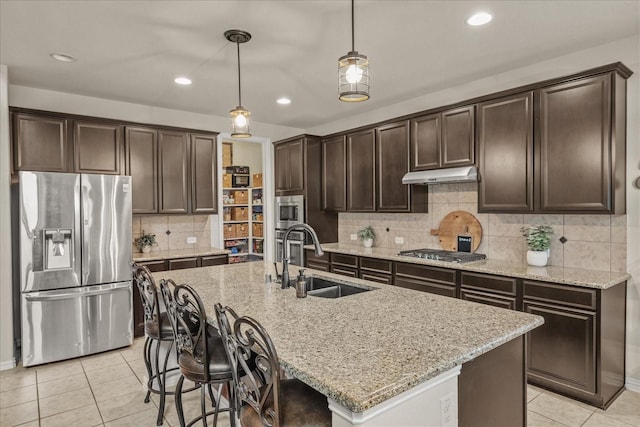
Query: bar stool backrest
x=149, y=296
x=188, y=321
x=244, y=339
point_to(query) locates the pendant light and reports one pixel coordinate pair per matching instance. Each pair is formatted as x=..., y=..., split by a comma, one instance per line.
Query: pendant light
x=353, y=72
x=239, y=115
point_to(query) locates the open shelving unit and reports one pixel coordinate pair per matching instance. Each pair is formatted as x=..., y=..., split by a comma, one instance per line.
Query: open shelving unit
x=242, y=223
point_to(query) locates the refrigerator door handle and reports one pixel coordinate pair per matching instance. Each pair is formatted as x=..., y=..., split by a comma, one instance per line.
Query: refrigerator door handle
x=75, y=292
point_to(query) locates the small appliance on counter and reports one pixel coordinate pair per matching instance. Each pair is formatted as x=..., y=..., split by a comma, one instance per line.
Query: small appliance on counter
x=240, y=176
x=74, y=264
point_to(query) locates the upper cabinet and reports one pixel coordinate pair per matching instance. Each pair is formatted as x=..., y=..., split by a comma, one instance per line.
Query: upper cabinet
x=141, y=147
x=392, y=143
x=289, y=167
x=173, y=168
x=334, y=174
x=97, y=147
x=505, y=154
x=579, y=147
x=443, y=140
x=204, y=195
x=361, y=168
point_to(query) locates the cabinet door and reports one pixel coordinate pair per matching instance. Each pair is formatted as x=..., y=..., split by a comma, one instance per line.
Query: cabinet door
x=204, y=187
x=361, y=168
x=295, y=152
x=181, y=263
x=392, y=152
x=425, y=142
x=488, y=299
x=574, y=146
x=435, y=280
x=141, y=146
x=562, y=352
x=505, y=154
x=173, y=162
x=281, y=166
x=97, y=147
x=458, y=137
x=210, y=260
x=334, y=174
x=40, y=143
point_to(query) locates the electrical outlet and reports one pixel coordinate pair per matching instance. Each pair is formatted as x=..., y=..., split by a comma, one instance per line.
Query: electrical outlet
x=354, y=237
x=446, y=410
x=399, y=240
x=191, y=240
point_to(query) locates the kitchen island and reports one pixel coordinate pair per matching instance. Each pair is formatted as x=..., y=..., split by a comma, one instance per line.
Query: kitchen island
x=390, y=356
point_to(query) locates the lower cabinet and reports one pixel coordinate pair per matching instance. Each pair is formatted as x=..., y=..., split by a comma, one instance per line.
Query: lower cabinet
x=376, y=270
x=488, y=289
x=346, y=265
x=435, y=280
x=321, y=262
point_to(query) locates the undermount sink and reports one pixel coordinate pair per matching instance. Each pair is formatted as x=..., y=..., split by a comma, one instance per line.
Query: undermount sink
x=325, y=288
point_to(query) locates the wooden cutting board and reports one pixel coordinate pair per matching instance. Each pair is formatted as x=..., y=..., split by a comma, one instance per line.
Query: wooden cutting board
x=458, y=223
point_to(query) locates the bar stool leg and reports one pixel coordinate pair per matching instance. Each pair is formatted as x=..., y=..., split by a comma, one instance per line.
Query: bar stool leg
x=163, y=384
x=178, y=399
x=147, y=364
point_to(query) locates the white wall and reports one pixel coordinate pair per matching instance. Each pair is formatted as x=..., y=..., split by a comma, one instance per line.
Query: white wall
x=247, y=153
x=6, y=313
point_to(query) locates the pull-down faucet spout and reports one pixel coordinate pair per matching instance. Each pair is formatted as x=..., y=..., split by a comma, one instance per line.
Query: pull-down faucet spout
x=285, y=249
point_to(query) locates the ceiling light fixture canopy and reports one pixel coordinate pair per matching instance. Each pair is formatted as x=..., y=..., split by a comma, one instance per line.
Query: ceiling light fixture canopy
x=353, y=71
x=239, y=115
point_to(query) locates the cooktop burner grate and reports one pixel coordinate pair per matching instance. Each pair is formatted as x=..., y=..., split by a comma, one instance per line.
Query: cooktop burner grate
x=442, y=255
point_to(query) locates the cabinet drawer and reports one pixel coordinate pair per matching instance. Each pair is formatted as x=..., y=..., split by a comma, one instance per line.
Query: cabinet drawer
x=387, y=279
x=154, y=266
x=322, y=266
x=560, y=294
x=210, y=260
x=345, y=271
x=485, y=282
x=422, y=272
x=446, y=290
x=489, y=299
x=376, y=265
x=310, y=254
x=178, y=264
x=344, y=260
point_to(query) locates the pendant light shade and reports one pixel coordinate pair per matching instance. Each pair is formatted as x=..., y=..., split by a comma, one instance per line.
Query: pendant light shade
x=239, y=115
x=353, y=72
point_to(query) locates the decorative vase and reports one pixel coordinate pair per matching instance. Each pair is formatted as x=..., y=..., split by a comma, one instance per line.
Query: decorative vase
x=367, y=243
x=146, y=249
x=538, y=258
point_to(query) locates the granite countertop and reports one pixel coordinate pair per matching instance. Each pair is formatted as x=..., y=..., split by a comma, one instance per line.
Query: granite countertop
x=178, y=253
x=362, y=349
x=569, y=276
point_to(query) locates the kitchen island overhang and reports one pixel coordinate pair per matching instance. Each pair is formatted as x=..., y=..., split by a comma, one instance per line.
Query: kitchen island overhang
x=363, y=350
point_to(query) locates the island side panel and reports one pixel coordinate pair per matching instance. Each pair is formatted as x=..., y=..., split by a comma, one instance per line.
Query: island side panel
x=492, y=388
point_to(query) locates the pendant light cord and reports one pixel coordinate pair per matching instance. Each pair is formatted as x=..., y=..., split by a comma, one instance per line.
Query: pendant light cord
x=353, y=37
x=239, y=86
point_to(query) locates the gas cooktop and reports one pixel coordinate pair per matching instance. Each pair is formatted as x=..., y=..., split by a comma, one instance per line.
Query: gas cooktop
x=442, y=255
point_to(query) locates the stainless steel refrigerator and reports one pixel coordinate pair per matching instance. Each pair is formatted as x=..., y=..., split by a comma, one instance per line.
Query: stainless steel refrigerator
x=74, y=264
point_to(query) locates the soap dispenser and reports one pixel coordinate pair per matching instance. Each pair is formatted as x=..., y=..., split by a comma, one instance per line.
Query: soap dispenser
x=301, y=285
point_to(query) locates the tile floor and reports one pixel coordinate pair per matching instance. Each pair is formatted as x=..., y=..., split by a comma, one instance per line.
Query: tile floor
x=106, y=390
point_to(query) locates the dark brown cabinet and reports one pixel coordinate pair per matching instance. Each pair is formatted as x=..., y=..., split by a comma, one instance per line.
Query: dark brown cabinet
x=321, y=262
x=392, y=146
x=334, y=174
x=578, y=146
x=141, y=146
x=361, y=171
x=443, y=139
x=435, y=280
x=40, y=143
x=173, y=172
x=505, y=154
x=376, y=270
x=289, y=167
x=211, y=260
x=97, y=147
x=488, y=289
x=204, y=195
x=182, y=263
x=346, y=265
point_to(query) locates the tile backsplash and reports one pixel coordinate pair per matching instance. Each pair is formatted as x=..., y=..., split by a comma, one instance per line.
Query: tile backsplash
x=172, y=231
x=595, y=242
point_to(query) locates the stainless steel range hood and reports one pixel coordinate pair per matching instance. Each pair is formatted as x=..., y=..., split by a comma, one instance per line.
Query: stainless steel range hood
x=442, y=176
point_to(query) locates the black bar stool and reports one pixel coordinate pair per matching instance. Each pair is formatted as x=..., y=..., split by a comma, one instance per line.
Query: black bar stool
x=267, y=399
x=157, y=329
x=201, y=354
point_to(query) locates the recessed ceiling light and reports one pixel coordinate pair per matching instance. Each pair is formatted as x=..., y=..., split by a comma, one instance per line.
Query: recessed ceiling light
x=283, y=101
x=480, y=18
x=62, y=57
x=184, y=81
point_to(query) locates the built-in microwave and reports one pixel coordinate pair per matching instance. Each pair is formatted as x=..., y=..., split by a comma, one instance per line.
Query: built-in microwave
x=289, y=211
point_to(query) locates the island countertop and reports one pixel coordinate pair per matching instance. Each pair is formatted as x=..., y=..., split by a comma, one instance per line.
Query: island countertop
x=362, y=349
x=568, y=276
x=178, y=253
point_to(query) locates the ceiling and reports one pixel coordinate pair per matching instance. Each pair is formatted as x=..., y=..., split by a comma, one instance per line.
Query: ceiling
x=132, y=50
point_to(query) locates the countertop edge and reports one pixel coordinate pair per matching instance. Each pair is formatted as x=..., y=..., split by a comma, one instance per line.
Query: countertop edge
x=178, y=253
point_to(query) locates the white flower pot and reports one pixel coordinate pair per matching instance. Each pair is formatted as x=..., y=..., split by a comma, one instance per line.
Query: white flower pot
x=146, y=249
x=367, y=243
x=538, y=258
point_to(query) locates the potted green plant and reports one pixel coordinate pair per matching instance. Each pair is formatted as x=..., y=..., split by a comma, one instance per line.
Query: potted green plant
x=538, y=238
x=144, y=242
x=367, y=235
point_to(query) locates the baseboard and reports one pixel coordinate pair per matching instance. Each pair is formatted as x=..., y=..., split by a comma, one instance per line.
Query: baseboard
x=9, y=364
x=632, y=384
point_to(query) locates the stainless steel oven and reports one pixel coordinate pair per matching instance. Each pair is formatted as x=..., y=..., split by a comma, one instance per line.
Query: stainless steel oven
x=296, y=247
x=289, y=211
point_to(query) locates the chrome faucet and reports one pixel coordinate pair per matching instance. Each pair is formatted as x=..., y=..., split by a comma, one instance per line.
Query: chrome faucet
x=285, y=249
